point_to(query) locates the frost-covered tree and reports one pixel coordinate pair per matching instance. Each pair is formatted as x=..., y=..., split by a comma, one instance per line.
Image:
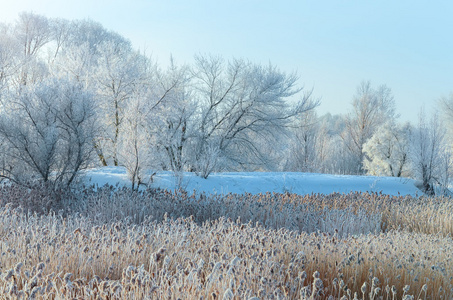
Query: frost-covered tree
x=306, y=145
x=77, y=63
x=240, y=105
x=429, y=152
x=47, y=133
x=119, y=72
x=60, y=30
x=387, y=151
x=134, y=148
x=156, y=124
x=173, y=119
x=370, y=109
x=77, y=47
x=9, y=63
x=446, y=107
x=331, y=154
x=32, y=32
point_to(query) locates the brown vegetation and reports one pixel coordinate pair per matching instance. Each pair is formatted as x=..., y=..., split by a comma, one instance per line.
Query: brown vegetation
x=118, y=244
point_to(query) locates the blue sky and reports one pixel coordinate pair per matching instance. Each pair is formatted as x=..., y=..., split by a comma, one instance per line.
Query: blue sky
x=333, y=45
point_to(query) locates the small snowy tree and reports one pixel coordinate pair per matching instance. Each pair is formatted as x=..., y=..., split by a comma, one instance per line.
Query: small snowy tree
x=428, y=146
x=371, y=108
x=387, y=151
x=304, y=151
x=446, y=168
x=135, y=140
x=333, y=157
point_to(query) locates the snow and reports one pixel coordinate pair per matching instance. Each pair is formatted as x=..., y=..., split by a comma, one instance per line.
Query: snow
x=260, y=182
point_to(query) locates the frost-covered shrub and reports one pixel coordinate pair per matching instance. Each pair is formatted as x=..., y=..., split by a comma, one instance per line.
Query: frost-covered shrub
x=387, y=151
x=47, y=131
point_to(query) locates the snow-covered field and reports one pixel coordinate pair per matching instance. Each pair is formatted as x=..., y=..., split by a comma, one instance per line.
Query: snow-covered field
x=261, y=182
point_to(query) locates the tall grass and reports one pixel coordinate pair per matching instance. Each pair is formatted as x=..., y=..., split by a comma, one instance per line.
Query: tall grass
x=118, y=244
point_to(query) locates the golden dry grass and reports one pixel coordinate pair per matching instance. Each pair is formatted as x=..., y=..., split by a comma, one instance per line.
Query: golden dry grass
x=162, y=245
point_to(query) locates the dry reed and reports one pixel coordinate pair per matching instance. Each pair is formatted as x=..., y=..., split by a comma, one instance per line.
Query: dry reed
x=118, y=244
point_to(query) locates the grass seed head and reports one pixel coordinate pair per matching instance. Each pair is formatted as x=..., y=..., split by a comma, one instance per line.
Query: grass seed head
x=228, y=295
x=406, y=289
x=67, y=278
x=18, y=268
x=363, y=288
x=9, y=275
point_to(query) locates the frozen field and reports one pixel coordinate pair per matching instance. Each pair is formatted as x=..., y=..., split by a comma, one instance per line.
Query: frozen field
x=261, y=182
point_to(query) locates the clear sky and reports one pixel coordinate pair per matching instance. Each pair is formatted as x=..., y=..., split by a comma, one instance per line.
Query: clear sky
x=333, y=45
